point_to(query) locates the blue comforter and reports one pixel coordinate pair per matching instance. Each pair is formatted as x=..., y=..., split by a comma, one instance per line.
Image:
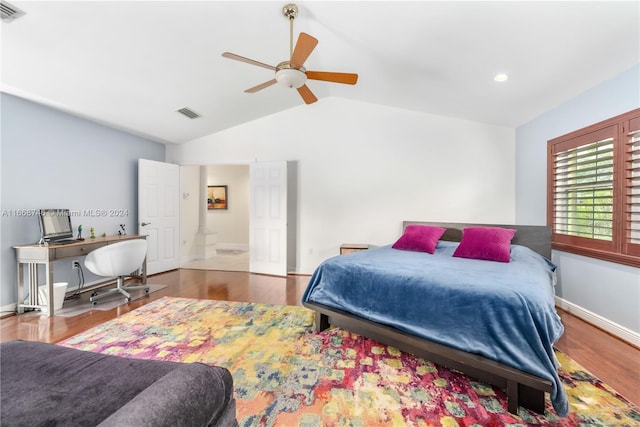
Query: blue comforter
x=502, y=311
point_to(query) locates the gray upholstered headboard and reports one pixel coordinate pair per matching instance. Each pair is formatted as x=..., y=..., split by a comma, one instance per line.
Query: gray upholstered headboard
x=536, y=237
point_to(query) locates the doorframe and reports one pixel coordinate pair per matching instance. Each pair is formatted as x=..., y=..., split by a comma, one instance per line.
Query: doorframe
x=292, y=209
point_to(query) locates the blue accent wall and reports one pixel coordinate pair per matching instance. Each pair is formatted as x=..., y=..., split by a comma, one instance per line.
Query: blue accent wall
x=607, y=290
x=51, y=159
x=610, y=98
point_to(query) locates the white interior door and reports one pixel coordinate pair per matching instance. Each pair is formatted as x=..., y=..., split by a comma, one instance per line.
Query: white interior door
x=268, y=218
x=159, y=213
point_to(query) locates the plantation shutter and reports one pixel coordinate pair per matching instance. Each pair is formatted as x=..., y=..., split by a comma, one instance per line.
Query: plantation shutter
x=632, y=204
x=583, y=189
x=593, y=190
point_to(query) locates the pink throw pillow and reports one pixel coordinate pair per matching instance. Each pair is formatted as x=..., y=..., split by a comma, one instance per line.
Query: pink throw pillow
x=419, y=238
x=488, y=243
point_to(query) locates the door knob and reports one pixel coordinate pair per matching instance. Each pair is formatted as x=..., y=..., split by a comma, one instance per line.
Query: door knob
x=145, y=223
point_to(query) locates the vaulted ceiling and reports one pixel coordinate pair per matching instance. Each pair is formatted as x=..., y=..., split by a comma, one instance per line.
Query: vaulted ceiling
x=132, y=64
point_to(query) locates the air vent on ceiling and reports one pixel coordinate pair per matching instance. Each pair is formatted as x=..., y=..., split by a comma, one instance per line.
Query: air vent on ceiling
x=189, y=113
x=9, y=11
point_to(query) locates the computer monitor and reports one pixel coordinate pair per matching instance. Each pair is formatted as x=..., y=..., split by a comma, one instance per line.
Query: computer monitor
x=55, y=224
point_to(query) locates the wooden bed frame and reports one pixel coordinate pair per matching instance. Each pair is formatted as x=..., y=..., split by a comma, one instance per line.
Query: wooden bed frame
x=522, y=389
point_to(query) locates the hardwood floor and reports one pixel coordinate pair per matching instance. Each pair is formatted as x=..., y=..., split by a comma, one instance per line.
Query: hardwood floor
x=613, y=361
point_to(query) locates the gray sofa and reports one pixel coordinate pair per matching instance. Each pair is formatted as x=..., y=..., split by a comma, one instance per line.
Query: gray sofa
x=50, y=385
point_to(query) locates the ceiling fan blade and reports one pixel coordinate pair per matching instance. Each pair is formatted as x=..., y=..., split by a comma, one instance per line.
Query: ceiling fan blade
x=261, y=86
x=304, y=47
x=248, y=61
x=346, y=78
x=307, y=95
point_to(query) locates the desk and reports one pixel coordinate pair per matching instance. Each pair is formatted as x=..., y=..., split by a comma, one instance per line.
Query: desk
x=33, y=255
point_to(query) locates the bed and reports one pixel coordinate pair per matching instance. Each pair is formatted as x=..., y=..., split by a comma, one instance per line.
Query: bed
x=494, y=321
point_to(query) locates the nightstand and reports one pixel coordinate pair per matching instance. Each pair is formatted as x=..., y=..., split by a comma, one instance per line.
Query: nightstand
x=347, y=248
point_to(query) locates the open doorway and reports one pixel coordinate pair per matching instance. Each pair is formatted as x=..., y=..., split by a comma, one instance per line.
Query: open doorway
x=215, y=222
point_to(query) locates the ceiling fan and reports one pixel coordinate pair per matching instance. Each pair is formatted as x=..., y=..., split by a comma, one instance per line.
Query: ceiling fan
x=291, y=73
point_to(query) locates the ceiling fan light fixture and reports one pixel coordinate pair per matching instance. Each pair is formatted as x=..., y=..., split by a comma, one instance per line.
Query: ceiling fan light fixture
x=291, y=73
x=291, y=77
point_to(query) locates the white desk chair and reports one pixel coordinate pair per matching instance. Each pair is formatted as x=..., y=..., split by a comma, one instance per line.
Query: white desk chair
x=120, y=260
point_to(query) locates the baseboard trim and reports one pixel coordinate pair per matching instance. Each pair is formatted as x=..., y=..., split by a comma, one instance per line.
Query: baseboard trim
x=9, y=308
x=233, y=246
x=606, y=325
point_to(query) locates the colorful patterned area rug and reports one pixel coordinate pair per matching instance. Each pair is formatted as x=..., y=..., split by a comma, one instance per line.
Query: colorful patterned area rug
x=287, y=375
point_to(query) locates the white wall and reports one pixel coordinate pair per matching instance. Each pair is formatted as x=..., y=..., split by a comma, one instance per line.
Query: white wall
x=596, y=287
x=231, y=224
x=363, y=169
x=189, y=212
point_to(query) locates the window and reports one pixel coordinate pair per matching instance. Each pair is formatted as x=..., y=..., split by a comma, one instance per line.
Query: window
x=593, y=190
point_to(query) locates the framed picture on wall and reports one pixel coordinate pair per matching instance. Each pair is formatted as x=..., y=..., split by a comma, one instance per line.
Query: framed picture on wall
x=217, y=197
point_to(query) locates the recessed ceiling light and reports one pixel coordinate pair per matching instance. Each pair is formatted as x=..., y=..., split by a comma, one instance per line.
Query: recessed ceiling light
x=502, y=77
